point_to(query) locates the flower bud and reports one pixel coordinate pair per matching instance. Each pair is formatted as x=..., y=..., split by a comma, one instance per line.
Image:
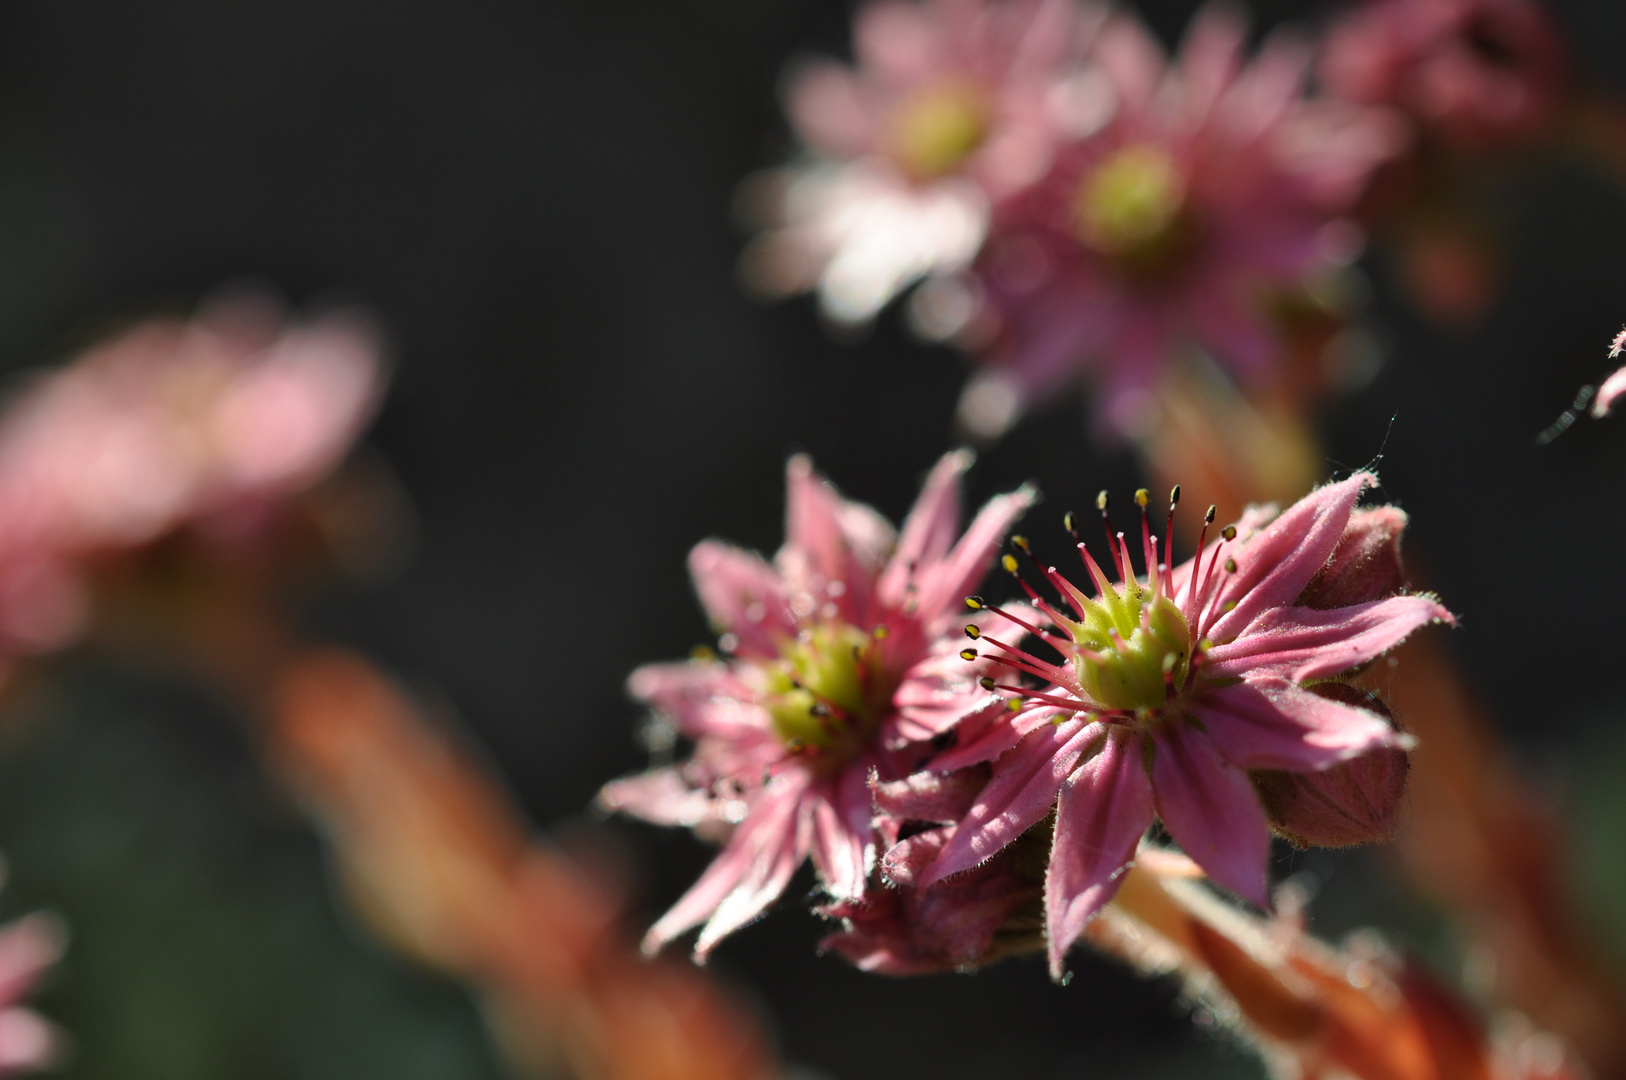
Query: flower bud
x=1365, y=566
x=973, y=918
x=1354, y=802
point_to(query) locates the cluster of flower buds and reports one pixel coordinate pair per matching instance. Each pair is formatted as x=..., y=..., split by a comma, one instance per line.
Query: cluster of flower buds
x=962, y=800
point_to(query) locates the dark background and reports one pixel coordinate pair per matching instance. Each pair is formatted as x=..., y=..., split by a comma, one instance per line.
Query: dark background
x=535, y=197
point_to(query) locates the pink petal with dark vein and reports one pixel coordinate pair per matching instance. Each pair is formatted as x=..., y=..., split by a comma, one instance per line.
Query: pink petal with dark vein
x=1305, y=643
x=843, y=849
x=750, y=872
x=930, y=528
x=1211, y=810
x=1269, y=723
x=1020, y=794
x=742, y=595
x=1276, y=564
x=1104, y=809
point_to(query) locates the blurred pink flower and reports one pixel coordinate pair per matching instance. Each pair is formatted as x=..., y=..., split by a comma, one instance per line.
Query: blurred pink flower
x=1214, y=184
x=1170, y=691
x=28, y=947
x=1477, y=73
x=169, y=422
x=952, y=105
x=840, y=663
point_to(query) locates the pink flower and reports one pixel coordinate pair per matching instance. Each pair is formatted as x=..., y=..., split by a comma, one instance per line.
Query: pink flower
x=1213, y=185
x=1477, y=73
x=211, y=419
x=951, y=105
x=28, y=947
x=840, y=663
x=1172, y=689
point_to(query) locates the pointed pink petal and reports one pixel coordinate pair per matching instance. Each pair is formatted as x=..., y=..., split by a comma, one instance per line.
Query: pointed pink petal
x=750, y=872
x=944, y=585
x=1211, y=810
x=906, y=861
x=663, y=797
x=1210, y=57
x=690, y=692
x=988, y=735
x=1020, y=794
x=1305, y=643
x=928, y=796
x=929, y=531
x=742, y=596
x=1613, y=388
x=1275, y=565
x=827, y=105
x=843, y=847
x=1269, y=723
x=1134, y=61
x=1104, y=808
x=828, y=538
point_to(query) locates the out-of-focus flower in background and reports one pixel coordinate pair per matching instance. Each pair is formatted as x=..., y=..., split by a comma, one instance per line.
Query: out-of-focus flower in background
x=28, y=948
x=842, y=662
x=1477, y=74
x=1615, y=385
x=952, y=105
x=1214, y=186
x=209, y=421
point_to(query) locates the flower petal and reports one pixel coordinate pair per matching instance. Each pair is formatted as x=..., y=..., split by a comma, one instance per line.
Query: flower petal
x=1104, y=809
x=930, y=528
x=742, y=595
x=829, y=539
x=1020, y=794
x=1275, y=565
x=928, y=796
x=1269, y=723
x=989, y=734
x=843, y=845
x=663, y=797
x=1211, y=810
x=750, y=872
x=1305, y=643
x=943, y=585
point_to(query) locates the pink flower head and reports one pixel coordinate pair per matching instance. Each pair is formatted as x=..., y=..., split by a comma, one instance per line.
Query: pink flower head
x=28, y=948
x=1213, y=184
x=171, y=421
x=950, y=105
x=840, y=662
x=1172, y=688
x=1477, y=73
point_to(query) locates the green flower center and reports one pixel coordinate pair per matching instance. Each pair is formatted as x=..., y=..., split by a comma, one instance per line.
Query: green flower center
x=829, y=689
x=1131, y=209
x=1133, y=645
x=934, y=131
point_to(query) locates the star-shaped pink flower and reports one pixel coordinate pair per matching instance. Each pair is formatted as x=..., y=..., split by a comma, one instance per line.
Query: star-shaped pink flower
x=1171, y=689
x=840, y=661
